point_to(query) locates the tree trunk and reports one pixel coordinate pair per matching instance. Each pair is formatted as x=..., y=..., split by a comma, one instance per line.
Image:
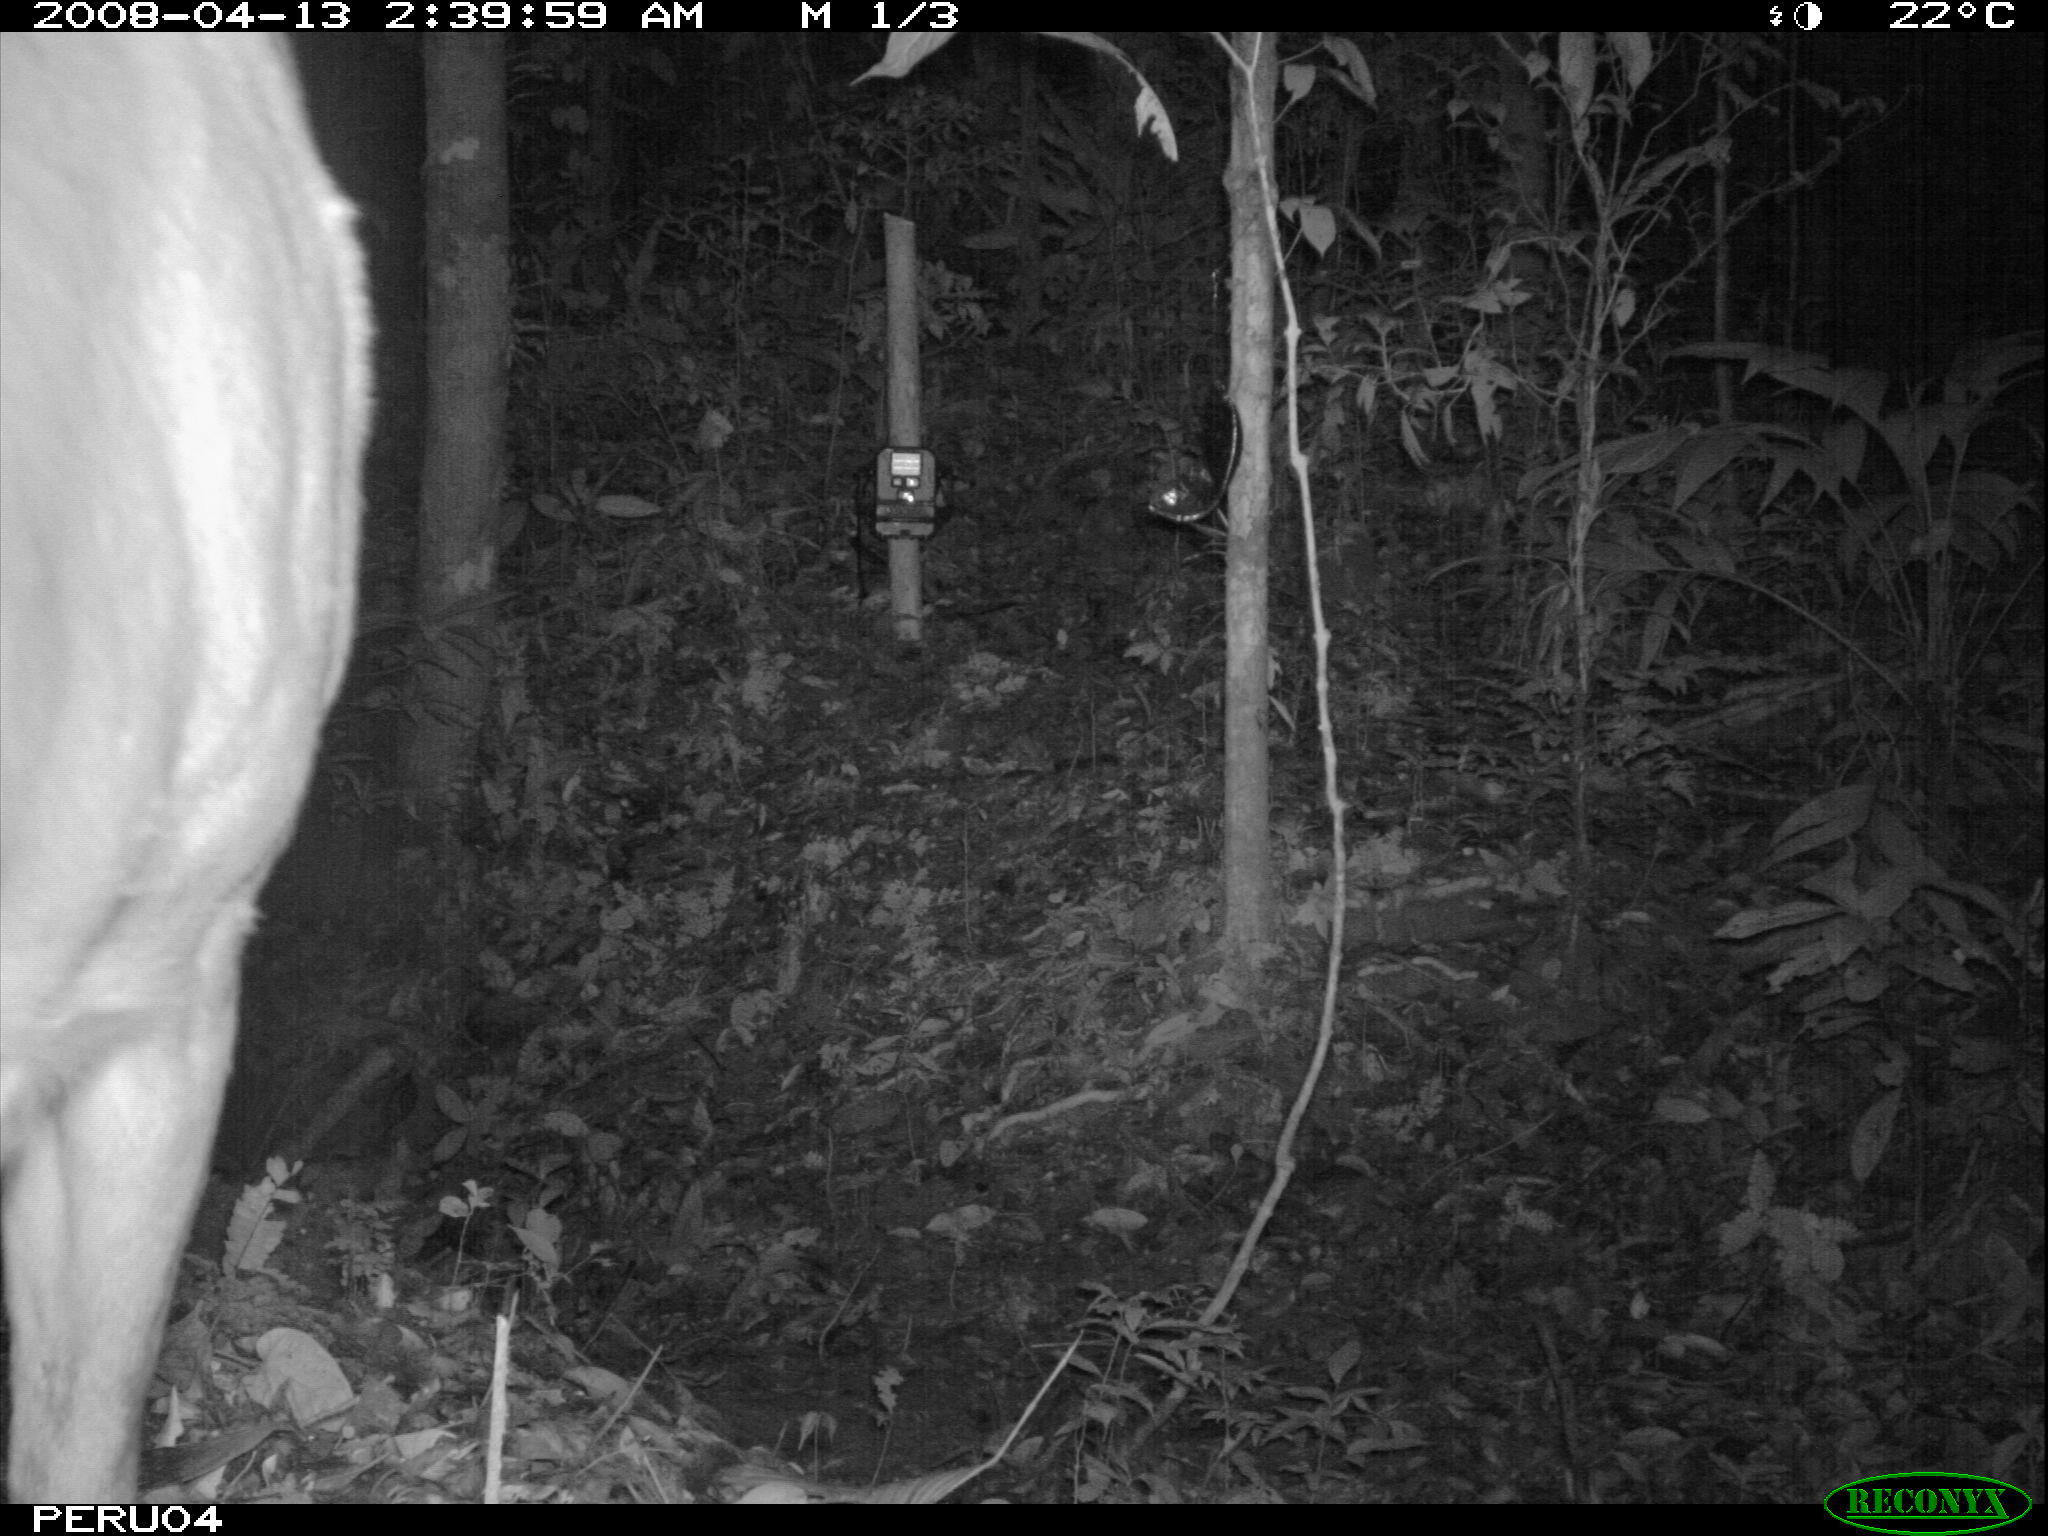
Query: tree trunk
x=1247, y=881
x=468, y=335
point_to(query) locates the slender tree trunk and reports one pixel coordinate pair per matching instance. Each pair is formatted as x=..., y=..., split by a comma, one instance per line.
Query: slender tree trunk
x=1247, y=876
x=468, y=334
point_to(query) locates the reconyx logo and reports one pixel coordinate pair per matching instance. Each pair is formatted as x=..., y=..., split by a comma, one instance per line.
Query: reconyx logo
x=1949, y=1503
